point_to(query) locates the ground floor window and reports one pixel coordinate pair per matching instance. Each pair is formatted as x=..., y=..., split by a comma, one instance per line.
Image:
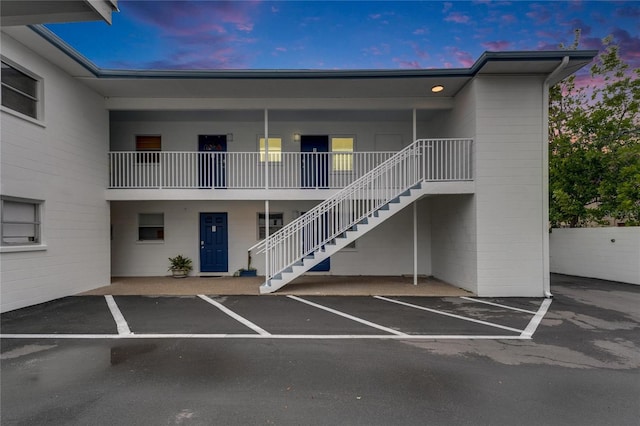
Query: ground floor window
x=151, y=227
x=275, y=223
x=21, y=222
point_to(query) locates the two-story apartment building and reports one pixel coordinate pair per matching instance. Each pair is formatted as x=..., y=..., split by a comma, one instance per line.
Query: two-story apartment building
x=438, y=172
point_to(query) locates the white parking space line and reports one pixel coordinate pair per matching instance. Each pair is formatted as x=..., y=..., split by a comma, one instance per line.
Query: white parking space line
x=351, y=317
x=270, y=336
x=121, y=323
x=449, y=315
x=498, y=305
x=235, y=316
x=535, y=321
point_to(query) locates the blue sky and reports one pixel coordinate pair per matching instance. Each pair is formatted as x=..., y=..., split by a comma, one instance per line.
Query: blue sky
x=343, y=34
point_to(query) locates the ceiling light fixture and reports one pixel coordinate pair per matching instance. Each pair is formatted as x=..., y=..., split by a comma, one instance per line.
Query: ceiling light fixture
x=437, y=88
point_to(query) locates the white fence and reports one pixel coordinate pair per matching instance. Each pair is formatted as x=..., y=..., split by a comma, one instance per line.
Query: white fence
x=605, y=253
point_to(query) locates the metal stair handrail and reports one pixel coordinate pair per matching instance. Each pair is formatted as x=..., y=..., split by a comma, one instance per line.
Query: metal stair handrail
x=349, y=206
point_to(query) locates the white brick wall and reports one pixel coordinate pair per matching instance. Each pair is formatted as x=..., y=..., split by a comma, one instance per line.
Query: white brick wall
x=509, y=190
x=387, y=250
x=63, y=162
x=606, y=253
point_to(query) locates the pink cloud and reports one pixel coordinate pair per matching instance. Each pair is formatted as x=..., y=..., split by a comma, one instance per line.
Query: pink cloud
x=539, y=13
x=497, y=45
x=462, y=57
x=407, y=64
x=381, y=49
x=457, y=17
x=509, y=19
x=197, y=34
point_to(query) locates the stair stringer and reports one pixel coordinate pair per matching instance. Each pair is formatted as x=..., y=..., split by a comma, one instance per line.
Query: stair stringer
x=364, y=226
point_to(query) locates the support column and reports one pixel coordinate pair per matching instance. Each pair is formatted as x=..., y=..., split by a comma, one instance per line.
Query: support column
x=266, y=201
x=415, y=216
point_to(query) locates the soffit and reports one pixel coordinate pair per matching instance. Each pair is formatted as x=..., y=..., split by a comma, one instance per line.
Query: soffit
x=28, y=12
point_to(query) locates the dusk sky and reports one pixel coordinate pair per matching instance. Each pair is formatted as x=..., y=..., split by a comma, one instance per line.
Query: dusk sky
x=343, y=34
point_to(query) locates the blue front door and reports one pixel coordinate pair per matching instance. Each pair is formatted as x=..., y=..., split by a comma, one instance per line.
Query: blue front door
x=315, y=161
x=214, y=255
x=213, y=160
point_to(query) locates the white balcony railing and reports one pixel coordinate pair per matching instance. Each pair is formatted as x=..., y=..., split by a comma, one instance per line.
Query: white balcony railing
x=239, y=170
x=287, y=170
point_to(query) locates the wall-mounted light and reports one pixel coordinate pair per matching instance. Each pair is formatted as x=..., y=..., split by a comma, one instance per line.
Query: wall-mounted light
x=229, y=137
x=296, y=137
x=437, y=88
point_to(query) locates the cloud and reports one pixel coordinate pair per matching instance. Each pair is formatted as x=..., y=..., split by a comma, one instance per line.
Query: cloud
x=457, y=18
x=497, y=45
x=627, y=12
x=200, y=34
x=381, y=49
x=508, y=18
x=539, y=14
x=420, y=31
x=464, y=58
x=629, y=46
x=407, y=64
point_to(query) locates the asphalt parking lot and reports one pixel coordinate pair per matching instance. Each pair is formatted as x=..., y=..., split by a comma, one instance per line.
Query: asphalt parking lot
x=202, y=360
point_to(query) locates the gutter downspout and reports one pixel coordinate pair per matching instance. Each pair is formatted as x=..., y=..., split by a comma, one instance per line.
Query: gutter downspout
x=546, y=279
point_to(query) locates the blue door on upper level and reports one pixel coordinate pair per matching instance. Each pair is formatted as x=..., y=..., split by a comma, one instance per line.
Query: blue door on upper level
x=315, y=161
x=213, y=161
x=214, y=252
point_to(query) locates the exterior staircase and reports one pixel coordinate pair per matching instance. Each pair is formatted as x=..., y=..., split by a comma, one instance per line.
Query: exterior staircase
x=360, y=207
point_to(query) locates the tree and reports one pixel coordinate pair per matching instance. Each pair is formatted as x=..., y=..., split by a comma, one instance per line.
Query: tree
x=594, y=144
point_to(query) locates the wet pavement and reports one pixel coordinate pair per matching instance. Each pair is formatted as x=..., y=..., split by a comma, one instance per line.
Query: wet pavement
x=326, y=360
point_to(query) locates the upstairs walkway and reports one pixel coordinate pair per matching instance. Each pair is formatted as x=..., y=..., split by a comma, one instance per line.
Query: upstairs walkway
x=325, y=285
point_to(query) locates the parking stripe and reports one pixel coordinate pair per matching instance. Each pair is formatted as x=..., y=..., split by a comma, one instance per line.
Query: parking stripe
x=270, y=336
x=351, y=317
x=449, y=315
x=235, y=316
x=535, y=321
x=121, y=323
x=498, y=305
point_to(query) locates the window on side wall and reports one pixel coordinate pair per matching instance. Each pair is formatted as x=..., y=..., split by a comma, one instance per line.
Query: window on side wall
x=275, y=223
x=275, y=150
x=148, y=148
x=21, y=222
x=151, y=227
x=20, y=90
x=342, y=149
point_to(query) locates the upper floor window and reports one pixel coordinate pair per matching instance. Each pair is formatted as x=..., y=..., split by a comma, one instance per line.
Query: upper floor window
x=148, y=147
x=275, y=150
x=342, y=148
x=20, y=222
x=19, y=91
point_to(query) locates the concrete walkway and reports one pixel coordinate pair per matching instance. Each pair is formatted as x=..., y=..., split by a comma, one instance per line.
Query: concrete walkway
x=325, y=285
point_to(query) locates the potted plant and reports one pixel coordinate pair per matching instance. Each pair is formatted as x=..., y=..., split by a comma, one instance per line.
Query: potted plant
x=249, y=271
x=180, y=266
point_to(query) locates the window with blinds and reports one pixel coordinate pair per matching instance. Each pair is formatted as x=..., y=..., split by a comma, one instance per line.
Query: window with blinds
x=19, y=91
x=20, y=222
x=151, y=227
